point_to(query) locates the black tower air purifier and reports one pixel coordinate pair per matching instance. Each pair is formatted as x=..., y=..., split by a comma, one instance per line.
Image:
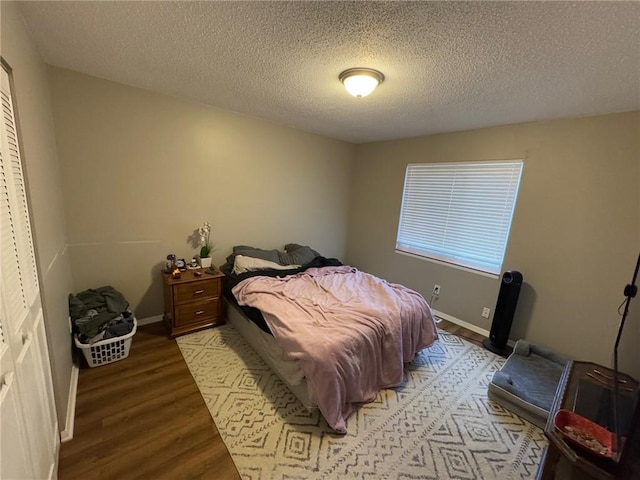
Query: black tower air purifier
x=503, y=313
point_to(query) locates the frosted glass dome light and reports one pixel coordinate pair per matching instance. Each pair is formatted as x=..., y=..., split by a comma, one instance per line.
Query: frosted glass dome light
x=360, y=82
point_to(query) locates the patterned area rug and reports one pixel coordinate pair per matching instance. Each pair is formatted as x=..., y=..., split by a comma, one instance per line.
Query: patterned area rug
x=438, y=425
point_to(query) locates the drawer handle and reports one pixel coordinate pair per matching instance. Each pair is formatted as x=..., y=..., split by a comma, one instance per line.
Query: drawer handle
x=198, y=292
x=199, y=312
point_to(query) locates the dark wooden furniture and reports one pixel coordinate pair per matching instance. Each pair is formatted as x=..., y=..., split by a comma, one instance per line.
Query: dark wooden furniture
x=192, y=302
x=582, y=464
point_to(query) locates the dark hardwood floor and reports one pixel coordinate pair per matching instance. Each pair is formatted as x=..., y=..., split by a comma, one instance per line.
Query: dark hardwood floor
x=468, y=335
x=143, y=417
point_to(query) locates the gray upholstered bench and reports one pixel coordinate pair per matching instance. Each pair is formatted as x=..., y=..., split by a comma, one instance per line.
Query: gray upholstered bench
x=527, y=382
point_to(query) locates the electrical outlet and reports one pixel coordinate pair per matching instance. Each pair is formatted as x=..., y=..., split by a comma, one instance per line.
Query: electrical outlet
x=436, y=289
x=485, y=312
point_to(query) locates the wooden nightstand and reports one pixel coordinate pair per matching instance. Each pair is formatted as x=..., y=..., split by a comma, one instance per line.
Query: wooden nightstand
x=192, y=303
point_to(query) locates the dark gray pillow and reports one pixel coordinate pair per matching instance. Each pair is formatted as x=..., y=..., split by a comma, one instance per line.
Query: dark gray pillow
x=271, y=255
x=295, y=254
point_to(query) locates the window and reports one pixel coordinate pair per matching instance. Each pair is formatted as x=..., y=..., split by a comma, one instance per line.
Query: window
x=459, y=213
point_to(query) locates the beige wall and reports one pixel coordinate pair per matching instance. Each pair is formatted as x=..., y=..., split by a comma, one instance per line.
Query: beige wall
x=142, y=171
x=42, y=173
x=575, y=233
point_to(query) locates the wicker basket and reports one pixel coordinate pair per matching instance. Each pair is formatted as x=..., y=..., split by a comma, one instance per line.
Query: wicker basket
x=109, y=350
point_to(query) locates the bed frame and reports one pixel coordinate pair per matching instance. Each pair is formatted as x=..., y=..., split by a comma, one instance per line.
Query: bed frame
x=265, y=345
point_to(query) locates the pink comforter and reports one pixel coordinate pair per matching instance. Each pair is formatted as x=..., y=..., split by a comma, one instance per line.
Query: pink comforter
x=351, y=331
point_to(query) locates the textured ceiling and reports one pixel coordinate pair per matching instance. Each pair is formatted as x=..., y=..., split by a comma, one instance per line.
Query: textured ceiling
x=448, y=65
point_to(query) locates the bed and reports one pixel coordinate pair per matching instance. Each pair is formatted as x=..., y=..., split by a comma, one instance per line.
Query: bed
x=334, y=335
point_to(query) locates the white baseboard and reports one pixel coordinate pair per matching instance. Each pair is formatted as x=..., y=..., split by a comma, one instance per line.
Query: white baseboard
x=462, y=323
x=67, y=433
x=468, y=326
x=149, y=320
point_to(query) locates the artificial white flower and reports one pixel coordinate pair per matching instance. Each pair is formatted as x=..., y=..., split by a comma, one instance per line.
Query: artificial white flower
x=205, y=239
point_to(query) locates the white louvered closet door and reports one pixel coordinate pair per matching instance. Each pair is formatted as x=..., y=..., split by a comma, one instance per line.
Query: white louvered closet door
x=29, y=440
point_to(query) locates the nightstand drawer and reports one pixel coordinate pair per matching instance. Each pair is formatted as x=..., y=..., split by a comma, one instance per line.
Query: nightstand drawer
x=197, y=312
x=189, y=292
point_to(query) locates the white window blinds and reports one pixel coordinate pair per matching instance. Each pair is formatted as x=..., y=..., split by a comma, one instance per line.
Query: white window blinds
x=459, y=213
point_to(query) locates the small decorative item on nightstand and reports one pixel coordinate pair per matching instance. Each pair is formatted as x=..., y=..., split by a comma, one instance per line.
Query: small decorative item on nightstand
x=205, y=262
x=205, y=241
x=170, y=264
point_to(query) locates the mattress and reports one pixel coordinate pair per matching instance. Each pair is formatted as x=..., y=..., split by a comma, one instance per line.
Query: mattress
x=265, y=345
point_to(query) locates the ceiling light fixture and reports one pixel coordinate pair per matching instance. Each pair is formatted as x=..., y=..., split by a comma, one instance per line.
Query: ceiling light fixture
x=360, y=82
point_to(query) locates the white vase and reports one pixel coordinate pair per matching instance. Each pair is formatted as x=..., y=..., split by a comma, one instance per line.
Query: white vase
x=205, y=262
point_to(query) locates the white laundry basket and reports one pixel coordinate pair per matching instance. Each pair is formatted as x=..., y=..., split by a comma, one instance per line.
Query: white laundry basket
x=109, y=350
